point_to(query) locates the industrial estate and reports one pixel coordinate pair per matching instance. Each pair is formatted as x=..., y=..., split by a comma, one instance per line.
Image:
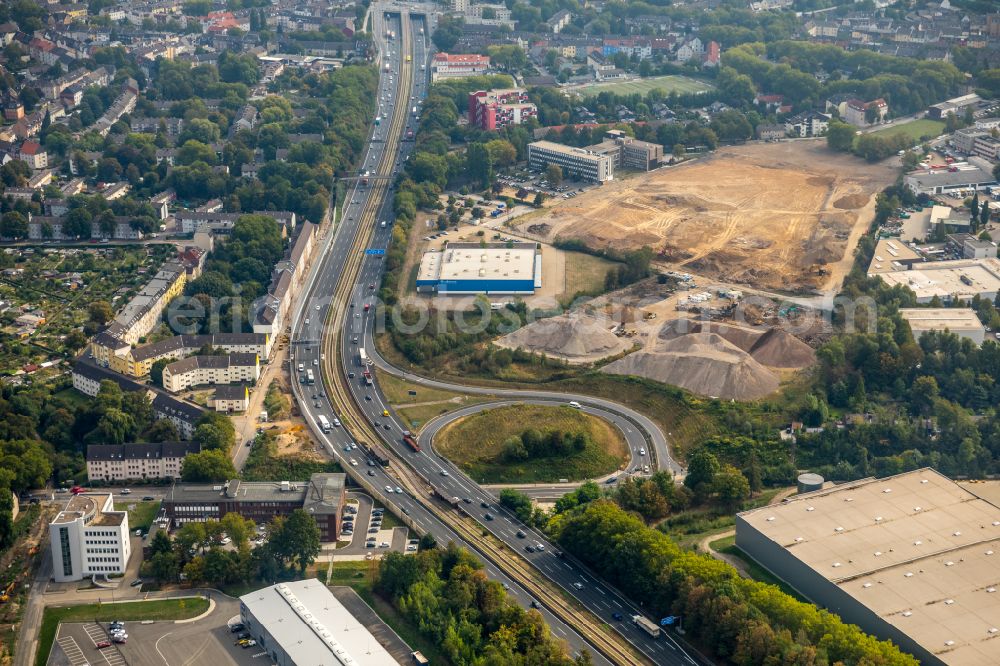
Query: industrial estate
x=462, y=333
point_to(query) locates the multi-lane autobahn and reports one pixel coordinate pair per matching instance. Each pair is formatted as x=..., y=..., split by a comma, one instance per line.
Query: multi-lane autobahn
x=333, y=314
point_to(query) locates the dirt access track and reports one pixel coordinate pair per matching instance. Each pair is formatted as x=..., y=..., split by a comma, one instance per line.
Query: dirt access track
x=783, y=216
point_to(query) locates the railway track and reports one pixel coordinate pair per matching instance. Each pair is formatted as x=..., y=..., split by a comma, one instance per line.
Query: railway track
x=352, y=418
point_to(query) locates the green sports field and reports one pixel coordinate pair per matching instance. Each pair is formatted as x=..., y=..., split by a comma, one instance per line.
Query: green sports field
x=668, y=84
x=915, y=129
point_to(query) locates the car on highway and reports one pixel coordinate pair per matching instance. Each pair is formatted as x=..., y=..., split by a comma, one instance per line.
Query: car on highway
x=535, y=604
x=385, y=412
x=617, y=617
x=148, y=498
x=368, y=398
x=529, y=548
x=371, y=472
x=444, y=472
x=540, y=546
x=578, y=586
x=505, y=586
x=399, y=491
x=485, y=505
x=125, y=491
x=467, y=500
x=521, y=534
x=388, y=489
x=354, y=463
x=488, y=516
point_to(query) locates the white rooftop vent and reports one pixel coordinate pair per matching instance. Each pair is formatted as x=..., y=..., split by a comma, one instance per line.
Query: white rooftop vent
x=887, y=490
x=989, y=552
x=948, y=563
x=770, y=519
x=838, y=529
x=866, y=585
x=996, y=523
x=923, y=480
x=956, y=533
x=836, y=564
x=878, y=519
x=917, y=508
x=949, y=643
x=810, y=508
x=949, y=602
x=878, y=553
x=917, y=542
x=991, y=590
x=908, y=574
x=907, y=613
x=798, y=539
x=848, y=499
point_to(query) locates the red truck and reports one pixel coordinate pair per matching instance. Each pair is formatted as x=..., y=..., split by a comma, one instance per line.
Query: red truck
x=409, y=440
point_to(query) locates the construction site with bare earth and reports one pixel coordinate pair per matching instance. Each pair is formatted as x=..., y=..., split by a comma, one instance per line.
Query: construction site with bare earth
x=734, y=232
x=781, y=216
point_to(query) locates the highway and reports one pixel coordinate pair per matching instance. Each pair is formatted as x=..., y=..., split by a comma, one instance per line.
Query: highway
x=361, y=226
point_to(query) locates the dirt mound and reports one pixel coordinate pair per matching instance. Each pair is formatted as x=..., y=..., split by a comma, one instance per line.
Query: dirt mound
x=704, y=363
x=851, y=201
x=575, y=337
x=780, y=349
x=540, y=229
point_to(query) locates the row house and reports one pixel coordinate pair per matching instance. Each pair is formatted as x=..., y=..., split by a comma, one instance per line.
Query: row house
x=272, y=310
x=136, y=361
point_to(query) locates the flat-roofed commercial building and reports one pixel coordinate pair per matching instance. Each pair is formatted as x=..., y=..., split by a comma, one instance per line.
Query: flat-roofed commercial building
x=963, y=322
x=911, y=558
x=575, y=163
x=949, y=280
x=322, y=496
x=472, y=268
x=202, y=370
x=88, y=537
x=128, y=462
x=891, y=254
x=301, y=623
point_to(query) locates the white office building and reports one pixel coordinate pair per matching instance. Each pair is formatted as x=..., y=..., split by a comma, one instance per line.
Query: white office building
x=89, y=537
x=576, y=163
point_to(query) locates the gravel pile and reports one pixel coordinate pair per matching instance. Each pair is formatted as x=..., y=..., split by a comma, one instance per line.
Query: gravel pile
x=575, y=337
x=704, y=363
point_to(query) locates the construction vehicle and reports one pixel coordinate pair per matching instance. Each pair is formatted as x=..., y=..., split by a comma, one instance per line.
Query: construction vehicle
x=7, y=591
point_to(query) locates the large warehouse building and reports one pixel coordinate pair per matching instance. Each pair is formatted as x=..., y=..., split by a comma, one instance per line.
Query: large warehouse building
x=474, y=268
x=912, y=558
x=301, y=623
x=959, y=279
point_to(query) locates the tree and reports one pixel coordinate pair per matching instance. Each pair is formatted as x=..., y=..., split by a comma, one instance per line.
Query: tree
x=14, y=225
x=731, y=487
x=840, y=136
x=539, y=199
x=702, y=468
x=215, y=431
x=164, y=566
x=100, y=312
x=207, y=466
x=554, y=174
x=156, y=370
x=296, y=539
x=479, y=164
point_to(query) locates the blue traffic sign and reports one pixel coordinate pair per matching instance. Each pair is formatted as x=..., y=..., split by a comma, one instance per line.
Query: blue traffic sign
x=375, y=251
x=667, y=621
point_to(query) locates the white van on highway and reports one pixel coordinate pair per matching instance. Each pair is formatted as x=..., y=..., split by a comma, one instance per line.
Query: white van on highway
x=575, y=405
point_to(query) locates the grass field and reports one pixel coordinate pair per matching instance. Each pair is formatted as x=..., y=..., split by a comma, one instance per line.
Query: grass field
x=475, y=443
x=140, y=514
x=160, y=609
x=585, y=273
x=668, y=84
x=418, y=409
x=915, y=129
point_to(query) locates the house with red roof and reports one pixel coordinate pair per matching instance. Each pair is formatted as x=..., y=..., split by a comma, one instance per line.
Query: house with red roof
x=33, y=153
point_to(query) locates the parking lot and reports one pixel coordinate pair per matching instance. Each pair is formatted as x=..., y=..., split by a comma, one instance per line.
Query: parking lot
x=362, y=541
x=205, y=641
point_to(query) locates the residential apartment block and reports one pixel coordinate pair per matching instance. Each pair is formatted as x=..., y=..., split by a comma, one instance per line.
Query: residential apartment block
x=88, y=537
x=229, y=399
x=450, y=65
x=204, y=370
x=859, y=112
x=496, y=109
x=137, y=361
x=137, y=462
x=142, y=314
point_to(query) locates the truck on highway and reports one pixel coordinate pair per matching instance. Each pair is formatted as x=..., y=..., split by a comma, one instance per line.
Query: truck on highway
x=646, y=625
x=324, y=423
x=367, y=374
x=363, y=359
x=410, y=441
x=364, y=178
x=310, y=377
